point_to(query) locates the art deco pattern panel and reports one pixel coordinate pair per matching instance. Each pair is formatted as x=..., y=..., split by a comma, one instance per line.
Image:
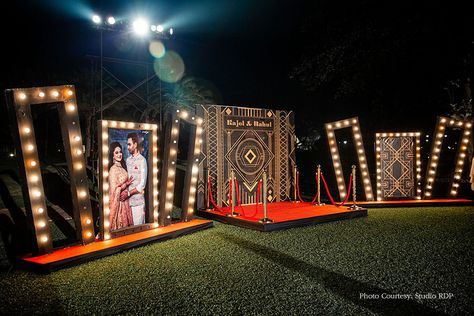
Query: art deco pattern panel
x=397, y=166
x=248, y=141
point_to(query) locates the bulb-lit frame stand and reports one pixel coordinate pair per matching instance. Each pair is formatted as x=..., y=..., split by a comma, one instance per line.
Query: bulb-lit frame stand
x=151, y=213
x=19, y=103
x=378, y=148
x=437, y=143
x=359, y=145
x=171, y=139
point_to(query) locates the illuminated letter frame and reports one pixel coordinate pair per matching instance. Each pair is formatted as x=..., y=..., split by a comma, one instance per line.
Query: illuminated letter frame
x=171, y=140
x=437, y=144
x=19, y=104
x=152, y=177
x=359, y=145
x=378, y=149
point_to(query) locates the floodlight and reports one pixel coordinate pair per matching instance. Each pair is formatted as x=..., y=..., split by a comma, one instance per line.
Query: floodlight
x=159, y=28
x=111, y=20
x=140, y=26
x=153, y=28
x=171, y=31
x=96, y=19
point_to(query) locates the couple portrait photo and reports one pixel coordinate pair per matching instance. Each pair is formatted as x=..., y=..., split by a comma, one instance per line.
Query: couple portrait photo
x=128, y=171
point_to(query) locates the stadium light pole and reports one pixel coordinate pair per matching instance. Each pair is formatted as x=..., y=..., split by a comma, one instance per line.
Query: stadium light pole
x=101, y=71
x=97, y=20
x=142, y=28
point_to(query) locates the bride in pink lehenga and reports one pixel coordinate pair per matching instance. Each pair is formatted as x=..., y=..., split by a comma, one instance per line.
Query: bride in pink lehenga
x=120, y=215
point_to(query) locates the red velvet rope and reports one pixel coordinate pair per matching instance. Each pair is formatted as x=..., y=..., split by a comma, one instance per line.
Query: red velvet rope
x=316, y=195
x=237, y=191
x=330, y=196
x=298, y=189
x=298, y=186
x=348, y=190
x=229, y=200
x=256, y=205
x=258, y=195
x=239, y=202
x=209, y=188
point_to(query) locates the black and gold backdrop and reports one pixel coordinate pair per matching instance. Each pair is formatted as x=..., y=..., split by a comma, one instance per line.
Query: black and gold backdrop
x=397, y=157
x=248, y=141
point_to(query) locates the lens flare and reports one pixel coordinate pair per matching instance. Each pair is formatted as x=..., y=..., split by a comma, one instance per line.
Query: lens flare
x=157, y=49
x=170, y=68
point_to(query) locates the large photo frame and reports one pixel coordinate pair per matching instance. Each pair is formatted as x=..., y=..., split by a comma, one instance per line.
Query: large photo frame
x=128, y=177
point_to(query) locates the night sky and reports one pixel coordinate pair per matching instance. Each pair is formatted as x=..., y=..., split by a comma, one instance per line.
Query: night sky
x=388, y=64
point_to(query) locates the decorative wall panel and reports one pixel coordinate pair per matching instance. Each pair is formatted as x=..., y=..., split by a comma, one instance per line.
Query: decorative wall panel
x=248, y=141
x=397, y=165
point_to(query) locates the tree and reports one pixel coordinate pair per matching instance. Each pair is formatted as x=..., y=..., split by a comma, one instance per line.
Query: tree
x=459, y=90
x=185, y=94
x=372, y=60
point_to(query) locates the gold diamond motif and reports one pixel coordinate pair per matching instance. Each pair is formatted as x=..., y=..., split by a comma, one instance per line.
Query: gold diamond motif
x=250, y=156
x=269, y=114
x=228, y=111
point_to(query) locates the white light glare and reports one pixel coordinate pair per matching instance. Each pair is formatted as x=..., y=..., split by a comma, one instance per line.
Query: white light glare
x=159, y=28
x=111, y=20
x=96, y=19
x=140, y=26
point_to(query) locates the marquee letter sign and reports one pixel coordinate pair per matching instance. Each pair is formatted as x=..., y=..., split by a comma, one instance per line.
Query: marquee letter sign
x=19, y=104
x=359, y=145
x=171, y=140
x=438, y=138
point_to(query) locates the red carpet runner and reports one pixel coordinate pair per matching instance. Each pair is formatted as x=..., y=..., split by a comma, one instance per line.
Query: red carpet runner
x=282, y=211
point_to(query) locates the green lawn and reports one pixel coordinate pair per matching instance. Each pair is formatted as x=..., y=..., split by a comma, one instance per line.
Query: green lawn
x=321, y=269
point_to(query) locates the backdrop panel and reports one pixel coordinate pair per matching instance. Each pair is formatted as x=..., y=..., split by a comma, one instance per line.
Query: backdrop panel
x=396, y=160
x=248, y=141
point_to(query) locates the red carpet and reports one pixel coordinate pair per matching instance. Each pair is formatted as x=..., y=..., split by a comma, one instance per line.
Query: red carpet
x=282, y=211
x=77, y=254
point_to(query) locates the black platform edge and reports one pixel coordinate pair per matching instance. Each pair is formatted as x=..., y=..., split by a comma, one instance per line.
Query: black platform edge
x=67, y=263
x=282, y=225
x=415, y=204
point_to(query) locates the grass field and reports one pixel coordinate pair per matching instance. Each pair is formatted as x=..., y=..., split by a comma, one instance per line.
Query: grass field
x=323, y=269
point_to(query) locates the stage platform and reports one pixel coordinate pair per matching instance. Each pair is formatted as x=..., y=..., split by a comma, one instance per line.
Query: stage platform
x=284, y=215
x=417, y=203
x=74, y=255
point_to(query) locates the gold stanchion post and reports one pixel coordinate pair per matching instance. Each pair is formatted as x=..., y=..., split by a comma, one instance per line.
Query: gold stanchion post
x=232, y=194
x=295, y=172
x=354, y=206
x=318, y=180
x=264, y=189
x=209, y=192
